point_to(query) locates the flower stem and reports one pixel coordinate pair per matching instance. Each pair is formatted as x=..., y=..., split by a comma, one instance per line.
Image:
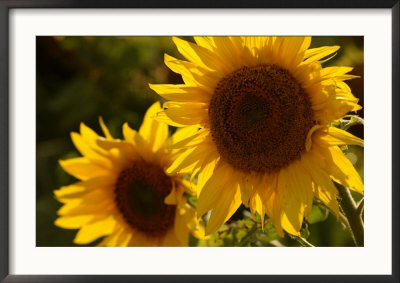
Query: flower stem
x=353, y=214
x=302, y=241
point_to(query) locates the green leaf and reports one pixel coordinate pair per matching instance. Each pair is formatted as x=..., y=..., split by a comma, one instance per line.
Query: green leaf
x=269, y=234
x=317, y=214
x=192, y=199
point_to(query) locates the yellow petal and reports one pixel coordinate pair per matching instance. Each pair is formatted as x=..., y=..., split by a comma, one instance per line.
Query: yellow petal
x=88, y=148
x=171, y=239
x=94, y=230
x=293, y=210
x=246, y=189
x=335, y=109
x=191, y=73
x=187, y=186
x=163, y=118
x=184, y=163
x=119, y=238
x=152, y=131
x=302, y=185
x=291, y=50
x=227, y=205
x=78, y=207
x=211, y=192
x=75, y=207
x=194, y=75
x=105, y=129
x=323, y=188
x=124, y=239
x=83, y=169
x=287, y=222
x=208, y=80
x=187, y=113
x=205, y=173
x=310, y=135
x=316, y=54
x=181, y=229
x=129, y=134
x=144, y=148
x=181, y=93
x=226, y=50
x=140, y=239
x=273, y=208
x=189, y=160
x=339, y=73
x=186, y=137
x=198, y=55
x=204, y=41
x=87, y=133
x=252, y=44
x=184, y=68
x=125, y=148
x=256, y=205
x=332, y=136
x=268, y=184
x=73, y=222
x=77, y=189
x=110, y=144
x=175, y=195
x=343, y=171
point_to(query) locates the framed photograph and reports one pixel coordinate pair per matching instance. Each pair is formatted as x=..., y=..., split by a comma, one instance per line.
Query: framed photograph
x=206, y=141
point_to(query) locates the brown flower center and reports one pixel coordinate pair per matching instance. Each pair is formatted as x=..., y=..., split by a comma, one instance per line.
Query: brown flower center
x=140, y=192
x=260, y=117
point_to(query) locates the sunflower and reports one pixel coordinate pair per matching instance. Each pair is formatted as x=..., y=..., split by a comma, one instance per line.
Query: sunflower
x=124, y=193
x=260, y=111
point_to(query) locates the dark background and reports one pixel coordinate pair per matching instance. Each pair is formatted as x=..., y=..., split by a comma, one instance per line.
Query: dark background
x=82, y=78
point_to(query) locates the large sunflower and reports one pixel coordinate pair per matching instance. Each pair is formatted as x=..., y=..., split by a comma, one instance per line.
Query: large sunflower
x=259, y=110
x=124, y=193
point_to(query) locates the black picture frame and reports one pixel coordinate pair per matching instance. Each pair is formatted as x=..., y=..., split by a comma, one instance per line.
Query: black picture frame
x=7, y=5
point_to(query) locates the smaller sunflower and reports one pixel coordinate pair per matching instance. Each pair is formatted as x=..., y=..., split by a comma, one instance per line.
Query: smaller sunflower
x=124, y=194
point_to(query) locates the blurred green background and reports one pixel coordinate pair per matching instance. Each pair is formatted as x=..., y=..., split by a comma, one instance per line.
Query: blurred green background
x=79, y=79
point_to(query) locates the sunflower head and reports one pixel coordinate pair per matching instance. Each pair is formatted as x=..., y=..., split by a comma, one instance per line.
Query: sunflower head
x=258, y=112
x=124, y=193
x=259, y=124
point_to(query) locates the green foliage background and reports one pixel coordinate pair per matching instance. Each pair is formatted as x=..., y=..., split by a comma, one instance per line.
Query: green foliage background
x=79, y=79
